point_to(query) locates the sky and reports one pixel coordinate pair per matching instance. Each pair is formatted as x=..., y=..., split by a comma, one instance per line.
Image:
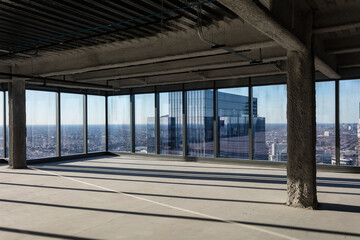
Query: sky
x=271, y=103
x=144, y=107
x=41, y=108
x=119, y=109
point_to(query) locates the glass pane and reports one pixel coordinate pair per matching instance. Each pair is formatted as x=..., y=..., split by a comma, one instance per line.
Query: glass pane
x=325, y=123
x=72, y=124
x=350, y=122
x=40, y=124
x=119, y=123
x=7, y=123
x=269, y=123
x=233, y=116
x=96, y=123
x=2, y=144
x=200, y=124
x=145, y=123
x=171, y=123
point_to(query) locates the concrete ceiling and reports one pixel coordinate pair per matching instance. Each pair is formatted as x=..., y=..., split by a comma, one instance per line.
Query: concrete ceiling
x=261, y=30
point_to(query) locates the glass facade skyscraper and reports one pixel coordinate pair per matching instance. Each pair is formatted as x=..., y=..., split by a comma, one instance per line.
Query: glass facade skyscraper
x=233, y=119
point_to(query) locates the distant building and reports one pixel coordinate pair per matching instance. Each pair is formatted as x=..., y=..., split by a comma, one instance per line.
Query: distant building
x=278, y=152
x=324, y=158
x=233, y=118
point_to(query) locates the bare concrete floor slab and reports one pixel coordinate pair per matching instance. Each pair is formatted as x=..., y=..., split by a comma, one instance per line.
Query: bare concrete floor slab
x=137, y=198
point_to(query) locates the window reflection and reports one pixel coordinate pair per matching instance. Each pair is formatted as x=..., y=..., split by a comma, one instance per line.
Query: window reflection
x=72, y=124
x=40, y=124
x=96, y=123
x=171, y=123
x=145, y=123
x=269, y=123
x=200, y=123
x=325, y=123
x=350, y=122
x=119, y=123
x=233, y=118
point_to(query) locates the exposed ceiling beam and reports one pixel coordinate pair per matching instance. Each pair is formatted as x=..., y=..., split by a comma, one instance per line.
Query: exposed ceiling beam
x=194, y=64
x=251, y=13
x=175, y=45
x=211, y=75
x=337, y=18
x=343, y=45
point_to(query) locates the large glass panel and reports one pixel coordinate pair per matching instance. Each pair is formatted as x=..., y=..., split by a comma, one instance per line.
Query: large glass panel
x=233, y=116
x=119, y=123
x=2, y=143
x=325, y=123
x=145, y=123
x=171, y=123
x=7, y=123
x=269, y=123
x=96, y=123
x=40, y=124
x=72, y=124
x=200, y=124
x=350, y=122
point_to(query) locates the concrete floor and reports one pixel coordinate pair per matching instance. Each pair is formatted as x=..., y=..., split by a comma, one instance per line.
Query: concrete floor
x=136, y=198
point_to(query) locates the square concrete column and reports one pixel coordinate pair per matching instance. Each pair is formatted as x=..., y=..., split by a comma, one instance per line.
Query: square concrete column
x=301, y=163
x=17, y=124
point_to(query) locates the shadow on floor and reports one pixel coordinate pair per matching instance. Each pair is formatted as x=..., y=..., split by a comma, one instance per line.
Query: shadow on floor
x=195, y=175
x=42, y=234
x=208, y=219
x=339, y=207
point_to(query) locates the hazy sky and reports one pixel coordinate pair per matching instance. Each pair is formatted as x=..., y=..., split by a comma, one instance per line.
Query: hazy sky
x=96, y=110
x=271, y=102
x=325, y=102
x=119, y=109
x=144, y=107
x=40, y=108
x=349, y=101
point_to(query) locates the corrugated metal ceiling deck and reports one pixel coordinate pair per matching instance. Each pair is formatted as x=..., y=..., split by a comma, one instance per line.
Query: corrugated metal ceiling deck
x=25, y=23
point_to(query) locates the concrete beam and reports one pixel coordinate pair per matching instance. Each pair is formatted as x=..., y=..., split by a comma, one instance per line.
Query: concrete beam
x=193, y=64
x=173, y=46
x=198, y=76
x=251, y=13
x=337, y=18
x=343, y=45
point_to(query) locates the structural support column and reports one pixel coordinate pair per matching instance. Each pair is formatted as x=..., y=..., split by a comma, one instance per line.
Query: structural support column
x=301, y=163
x=17, y=124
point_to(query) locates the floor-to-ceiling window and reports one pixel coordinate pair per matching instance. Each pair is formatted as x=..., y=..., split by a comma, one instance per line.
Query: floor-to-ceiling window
x=200, y=123
x=233, y=121
x=350, y=122
x=96, y=129
x=7, y=123
x=40, y=124
x=145, y=123
x=72, y=123
x=2, y=142
x=171, y=135
x=119, y=133
x=269, y=123
x=325, y=122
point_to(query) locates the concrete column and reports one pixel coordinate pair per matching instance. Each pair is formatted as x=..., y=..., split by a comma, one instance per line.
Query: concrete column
x=301, y=164
x=17, y=124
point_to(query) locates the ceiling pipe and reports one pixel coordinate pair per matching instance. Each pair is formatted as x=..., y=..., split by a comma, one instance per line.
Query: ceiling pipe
x=221, y=46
